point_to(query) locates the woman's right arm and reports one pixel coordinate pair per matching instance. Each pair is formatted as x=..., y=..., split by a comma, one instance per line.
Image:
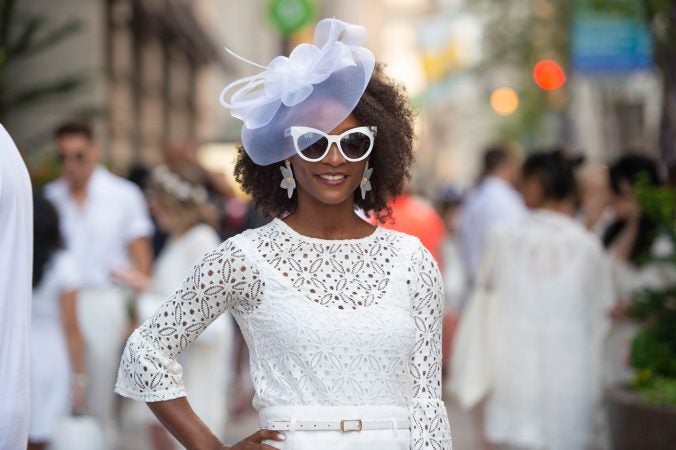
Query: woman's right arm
x=178, y=417
x=223, y=280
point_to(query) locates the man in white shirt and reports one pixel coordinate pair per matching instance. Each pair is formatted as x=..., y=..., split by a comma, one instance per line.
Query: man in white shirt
x=493, y=201
x=106, y=225
x=16, y=264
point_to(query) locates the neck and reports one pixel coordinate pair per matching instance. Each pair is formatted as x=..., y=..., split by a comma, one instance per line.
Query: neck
x=79, y=191
x=498, y=176
x=564, y=207
x=320, y=220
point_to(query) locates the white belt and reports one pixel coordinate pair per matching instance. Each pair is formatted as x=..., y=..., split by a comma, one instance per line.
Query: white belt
x=339, y=425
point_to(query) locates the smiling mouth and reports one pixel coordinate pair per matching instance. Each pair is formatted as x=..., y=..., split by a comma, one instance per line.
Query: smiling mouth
x=332, y=179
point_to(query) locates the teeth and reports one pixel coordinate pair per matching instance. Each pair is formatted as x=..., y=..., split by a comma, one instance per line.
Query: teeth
x=332, y=177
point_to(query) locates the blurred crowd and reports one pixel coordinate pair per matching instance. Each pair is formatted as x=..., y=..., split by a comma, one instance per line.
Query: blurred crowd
x=108, y=251
x=540, y=258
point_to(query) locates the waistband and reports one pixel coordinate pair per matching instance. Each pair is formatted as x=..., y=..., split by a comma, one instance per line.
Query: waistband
x=333, y=418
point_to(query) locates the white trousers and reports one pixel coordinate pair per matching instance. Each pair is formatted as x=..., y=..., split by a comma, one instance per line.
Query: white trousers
x=102, y=319
x=390, y=439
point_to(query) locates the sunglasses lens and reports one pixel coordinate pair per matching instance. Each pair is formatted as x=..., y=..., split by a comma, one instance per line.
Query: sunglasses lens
x=356, y=144
x=63, y=158
x=312, y=145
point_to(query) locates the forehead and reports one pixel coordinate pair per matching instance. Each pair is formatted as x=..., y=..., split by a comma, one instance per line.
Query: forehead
x=73, y=142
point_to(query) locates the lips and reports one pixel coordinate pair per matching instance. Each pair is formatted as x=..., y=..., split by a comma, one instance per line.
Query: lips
x=332, y=179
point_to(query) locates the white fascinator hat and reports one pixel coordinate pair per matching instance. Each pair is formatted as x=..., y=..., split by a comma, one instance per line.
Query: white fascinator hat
x=318, y=86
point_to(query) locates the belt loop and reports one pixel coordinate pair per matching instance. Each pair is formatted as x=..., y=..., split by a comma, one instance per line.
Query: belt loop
x=292, y=424
x=394, y=426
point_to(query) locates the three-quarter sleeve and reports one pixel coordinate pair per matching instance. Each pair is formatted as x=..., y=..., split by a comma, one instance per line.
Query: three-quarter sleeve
x=430, y=428
x=224, y=279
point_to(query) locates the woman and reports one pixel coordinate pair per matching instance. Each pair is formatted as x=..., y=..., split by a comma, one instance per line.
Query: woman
x=342, y=319
x=629, y=239
x=179, y=208
x=547, y=290
x=57, y=376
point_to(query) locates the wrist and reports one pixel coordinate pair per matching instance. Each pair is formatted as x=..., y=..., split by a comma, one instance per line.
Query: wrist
x=80, y=379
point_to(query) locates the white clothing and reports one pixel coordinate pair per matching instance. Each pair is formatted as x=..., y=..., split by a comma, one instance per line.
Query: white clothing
x=352, y=322
x=99, y=231
x=16, y=264
x=629, y=280
x=552, y=288
x=454, y=274
x=102, y=317
x=493, y=202
x=51, y=371
x=390, y=439
x=204, y=362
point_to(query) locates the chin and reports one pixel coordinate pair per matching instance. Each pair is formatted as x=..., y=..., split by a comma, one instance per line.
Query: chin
x=332, y=197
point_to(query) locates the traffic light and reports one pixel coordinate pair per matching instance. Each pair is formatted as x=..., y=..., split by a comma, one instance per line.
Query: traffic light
x=549, y=75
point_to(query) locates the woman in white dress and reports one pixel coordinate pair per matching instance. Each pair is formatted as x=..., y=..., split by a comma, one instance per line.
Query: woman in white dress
x=180, y=209
x=57, y=374
x=547, y=291
x=342, y=319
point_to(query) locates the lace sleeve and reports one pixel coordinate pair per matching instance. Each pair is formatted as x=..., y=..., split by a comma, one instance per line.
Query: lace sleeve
x=430, y=428
x=223, y=280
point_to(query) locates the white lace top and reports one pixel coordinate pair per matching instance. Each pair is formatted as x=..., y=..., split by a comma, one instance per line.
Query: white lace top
x=327, y=322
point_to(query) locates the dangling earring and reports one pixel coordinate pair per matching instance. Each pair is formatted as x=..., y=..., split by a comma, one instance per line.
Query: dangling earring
x=288, y=182
x=365, y=184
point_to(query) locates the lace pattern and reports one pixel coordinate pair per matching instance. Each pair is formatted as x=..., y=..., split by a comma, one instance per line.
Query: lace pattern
x=335, y=275
x=353, y=322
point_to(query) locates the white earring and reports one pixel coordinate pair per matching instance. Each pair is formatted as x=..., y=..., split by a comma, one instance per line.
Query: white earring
x=288, y=182
x=365, y=184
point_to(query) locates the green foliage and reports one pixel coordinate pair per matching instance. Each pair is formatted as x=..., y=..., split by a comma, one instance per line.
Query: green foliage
x=660, y=204
x=658, y=390
x=653, y=351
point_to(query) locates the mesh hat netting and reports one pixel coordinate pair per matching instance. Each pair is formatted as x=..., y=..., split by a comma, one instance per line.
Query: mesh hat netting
x=317, y=86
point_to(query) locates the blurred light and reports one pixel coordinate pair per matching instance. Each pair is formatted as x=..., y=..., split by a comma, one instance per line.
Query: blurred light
x=549, y=75
x=504, y=101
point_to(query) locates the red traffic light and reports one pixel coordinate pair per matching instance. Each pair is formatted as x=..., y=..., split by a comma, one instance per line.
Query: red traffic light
x=549, y=75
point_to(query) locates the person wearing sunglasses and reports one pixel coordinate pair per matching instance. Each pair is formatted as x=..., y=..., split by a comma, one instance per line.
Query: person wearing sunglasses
x=106, y=226
x=342, y=318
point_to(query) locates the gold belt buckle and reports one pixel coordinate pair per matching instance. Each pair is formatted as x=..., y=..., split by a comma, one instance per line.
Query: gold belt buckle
x=357, y=427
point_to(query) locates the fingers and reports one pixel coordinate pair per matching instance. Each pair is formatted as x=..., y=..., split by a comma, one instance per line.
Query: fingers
x=262, y=435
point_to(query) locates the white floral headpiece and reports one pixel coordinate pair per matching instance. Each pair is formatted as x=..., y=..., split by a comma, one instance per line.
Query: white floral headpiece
x=318, y=85
x=177, y=186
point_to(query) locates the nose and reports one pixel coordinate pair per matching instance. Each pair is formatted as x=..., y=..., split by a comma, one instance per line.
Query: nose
x=334, y=157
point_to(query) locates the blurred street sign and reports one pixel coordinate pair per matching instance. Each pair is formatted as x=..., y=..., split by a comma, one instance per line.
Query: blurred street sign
x=289, y=16
x=610, y=37
x=448, y=43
